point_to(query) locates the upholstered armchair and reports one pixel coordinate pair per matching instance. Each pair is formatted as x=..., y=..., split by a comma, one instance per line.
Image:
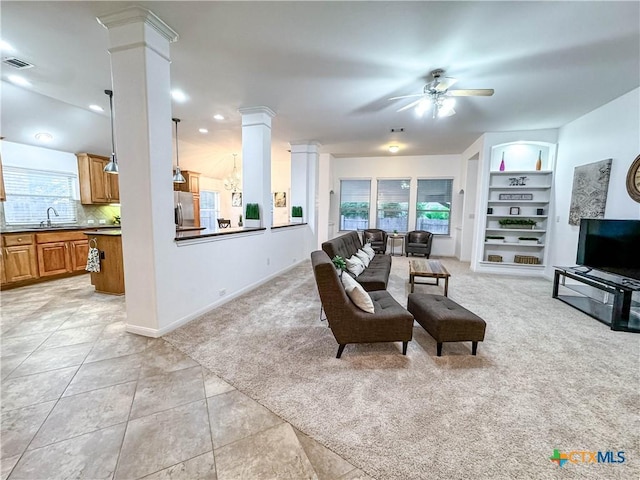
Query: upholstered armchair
x=377, y=238
x=418, y=241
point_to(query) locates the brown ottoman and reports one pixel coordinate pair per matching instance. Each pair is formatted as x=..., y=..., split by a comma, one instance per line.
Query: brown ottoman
x=445, y=320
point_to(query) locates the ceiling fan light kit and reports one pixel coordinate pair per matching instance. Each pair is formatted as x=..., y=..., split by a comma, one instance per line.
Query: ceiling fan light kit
x=436, y=95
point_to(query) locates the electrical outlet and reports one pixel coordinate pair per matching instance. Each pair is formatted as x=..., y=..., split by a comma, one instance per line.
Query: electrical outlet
x=91, y=222
x=294, y=260
x=102, y=221
x=223, y=292
x=268, y=261
x=558, y=219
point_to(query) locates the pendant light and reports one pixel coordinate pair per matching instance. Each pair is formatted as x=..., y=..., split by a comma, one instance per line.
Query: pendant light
x=233, y=182
x=177, y=177
x=112, y=166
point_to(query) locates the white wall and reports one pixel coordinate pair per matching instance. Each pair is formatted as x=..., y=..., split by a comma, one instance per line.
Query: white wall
x=38, y=158
x=611, y=131
x=412, y=167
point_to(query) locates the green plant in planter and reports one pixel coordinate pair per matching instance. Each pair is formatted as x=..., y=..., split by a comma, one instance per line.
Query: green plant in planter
x=516, y=221
x=253, y=211
x=339, y=262
x=296, y=212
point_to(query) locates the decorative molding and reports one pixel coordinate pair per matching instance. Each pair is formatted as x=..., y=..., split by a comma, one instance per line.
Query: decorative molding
x=252, y=110
x=136, y=14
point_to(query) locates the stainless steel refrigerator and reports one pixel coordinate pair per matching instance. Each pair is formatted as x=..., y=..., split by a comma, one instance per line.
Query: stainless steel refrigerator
x=183, y=209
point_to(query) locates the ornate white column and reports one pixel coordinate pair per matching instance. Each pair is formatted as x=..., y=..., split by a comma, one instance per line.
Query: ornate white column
x=139, y=48
x=256, y=160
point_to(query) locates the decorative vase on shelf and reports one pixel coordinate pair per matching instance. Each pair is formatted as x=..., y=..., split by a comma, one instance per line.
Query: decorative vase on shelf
x=539, y=162
x=502, y=163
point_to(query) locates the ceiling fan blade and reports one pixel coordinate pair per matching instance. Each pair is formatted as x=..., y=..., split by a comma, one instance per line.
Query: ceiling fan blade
x=412, y=104
x=478, y=92
x=406, y=96
x=445, y=83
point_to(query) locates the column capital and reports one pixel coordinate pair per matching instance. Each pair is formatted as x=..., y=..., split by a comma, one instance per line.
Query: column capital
x=136, y=14
x=252, y=110
x=310, y=146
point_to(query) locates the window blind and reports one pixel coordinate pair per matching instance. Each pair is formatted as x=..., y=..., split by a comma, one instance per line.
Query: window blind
x=435, y=190
x=31, y=192
x=393, y=191
x=355, y=191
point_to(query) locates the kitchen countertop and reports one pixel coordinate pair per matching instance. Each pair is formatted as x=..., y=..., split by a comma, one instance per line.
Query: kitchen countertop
x=104, y=231
x=213, y=232
x=57, y=229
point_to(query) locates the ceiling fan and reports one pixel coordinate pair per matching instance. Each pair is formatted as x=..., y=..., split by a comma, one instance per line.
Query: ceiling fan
x=437, y=93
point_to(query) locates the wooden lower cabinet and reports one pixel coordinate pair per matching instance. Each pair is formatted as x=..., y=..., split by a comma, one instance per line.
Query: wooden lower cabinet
x=20, y=263
x=28, y=257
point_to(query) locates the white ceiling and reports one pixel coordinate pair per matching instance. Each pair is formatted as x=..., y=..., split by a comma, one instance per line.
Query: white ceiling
x=327, y=70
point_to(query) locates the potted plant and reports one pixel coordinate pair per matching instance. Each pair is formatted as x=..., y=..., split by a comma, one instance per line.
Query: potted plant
x=494, y=239
x=339, y=263
x=240, y=220
x=523, y=223
x=252, y=215
x=395, y=233
x=528, y=240
x=296, y=214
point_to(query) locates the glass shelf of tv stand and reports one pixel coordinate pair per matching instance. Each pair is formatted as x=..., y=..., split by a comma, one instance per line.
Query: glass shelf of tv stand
x=611, y=299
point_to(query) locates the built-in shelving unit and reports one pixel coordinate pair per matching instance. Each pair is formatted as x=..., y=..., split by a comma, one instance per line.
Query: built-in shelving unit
x=518, y=193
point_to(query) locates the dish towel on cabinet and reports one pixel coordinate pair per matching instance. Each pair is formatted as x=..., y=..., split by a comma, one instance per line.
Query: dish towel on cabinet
x=93, y=260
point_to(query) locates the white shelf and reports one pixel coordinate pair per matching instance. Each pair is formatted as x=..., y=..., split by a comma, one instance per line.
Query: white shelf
x=512, y=264
x=511, y=244
x=522, y=172
x=498, y=229
x=495, y=215
x=521, y=156
x=520, y=187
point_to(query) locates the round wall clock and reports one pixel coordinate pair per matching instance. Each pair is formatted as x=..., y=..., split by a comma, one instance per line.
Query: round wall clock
x=633, y=180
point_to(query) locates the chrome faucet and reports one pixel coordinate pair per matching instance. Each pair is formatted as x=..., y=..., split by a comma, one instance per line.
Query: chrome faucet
x=48, y=218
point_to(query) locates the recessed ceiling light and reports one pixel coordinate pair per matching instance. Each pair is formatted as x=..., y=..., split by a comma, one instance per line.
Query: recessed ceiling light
x=217, y=116
x=203, y=130
x=44, y=137
x=178, y=95
x=394, y=149
x=6, y=46
x=96, y=108
x=18, y=80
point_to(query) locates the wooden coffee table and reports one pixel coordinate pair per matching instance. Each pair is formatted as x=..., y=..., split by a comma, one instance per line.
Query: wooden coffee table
x=428, y=269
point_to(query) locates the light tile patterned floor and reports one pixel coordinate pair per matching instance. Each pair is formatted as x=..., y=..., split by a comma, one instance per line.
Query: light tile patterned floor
x=82, y=398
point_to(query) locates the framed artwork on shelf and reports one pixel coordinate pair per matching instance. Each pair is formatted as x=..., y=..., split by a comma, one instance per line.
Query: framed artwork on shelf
x=514, y=211
x=236, y=199
x=515, y=196
x=280, y=199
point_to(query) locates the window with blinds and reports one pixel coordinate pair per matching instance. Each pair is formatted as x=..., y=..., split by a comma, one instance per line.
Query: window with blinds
x=355, y=196
x=433, y=206
x=393, y=205
x=31, y=192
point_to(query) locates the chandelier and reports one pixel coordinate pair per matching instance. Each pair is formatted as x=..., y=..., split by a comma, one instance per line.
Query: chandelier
x=233, y=182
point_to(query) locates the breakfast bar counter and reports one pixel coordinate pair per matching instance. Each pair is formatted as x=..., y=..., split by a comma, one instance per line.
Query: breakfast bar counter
x=110, y=278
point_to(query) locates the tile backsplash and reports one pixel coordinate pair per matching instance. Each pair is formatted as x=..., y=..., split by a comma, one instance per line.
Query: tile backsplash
x=84, y=213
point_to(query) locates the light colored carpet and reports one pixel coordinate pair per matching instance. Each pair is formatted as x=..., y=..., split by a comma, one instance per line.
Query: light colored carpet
x=546, y=377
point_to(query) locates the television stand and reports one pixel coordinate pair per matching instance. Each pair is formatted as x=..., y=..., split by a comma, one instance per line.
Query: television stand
x=607, y=297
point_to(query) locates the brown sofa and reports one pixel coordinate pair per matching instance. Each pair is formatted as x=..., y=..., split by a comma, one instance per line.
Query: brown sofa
x=375, y=276
x=390, y=322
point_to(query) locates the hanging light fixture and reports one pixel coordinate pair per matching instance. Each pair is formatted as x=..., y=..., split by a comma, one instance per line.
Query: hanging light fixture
x=177, y=176
x=112, y=166
x=233, y=181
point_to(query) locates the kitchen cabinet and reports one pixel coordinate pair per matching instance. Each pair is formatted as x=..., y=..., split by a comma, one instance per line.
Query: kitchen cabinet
x=61, y=252
x=18, y=258
x=96, y=186
x=192, y=185
x=110, y=278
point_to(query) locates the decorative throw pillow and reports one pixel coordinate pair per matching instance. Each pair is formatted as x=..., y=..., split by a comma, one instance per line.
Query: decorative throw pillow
x=364, y=257
x=369, y=250
x=355, y=265
x=356, y=293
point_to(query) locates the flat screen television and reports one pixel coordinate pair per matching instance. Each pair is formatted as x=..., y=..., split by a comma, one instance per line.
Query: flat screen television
x=610, y=245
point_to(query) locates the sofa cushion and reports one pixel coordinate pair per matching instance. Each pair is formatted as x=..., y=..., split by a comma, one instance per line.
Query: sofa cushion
x=356, y=293
x=361, y=254
x=368, y=250
x=355, y=265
